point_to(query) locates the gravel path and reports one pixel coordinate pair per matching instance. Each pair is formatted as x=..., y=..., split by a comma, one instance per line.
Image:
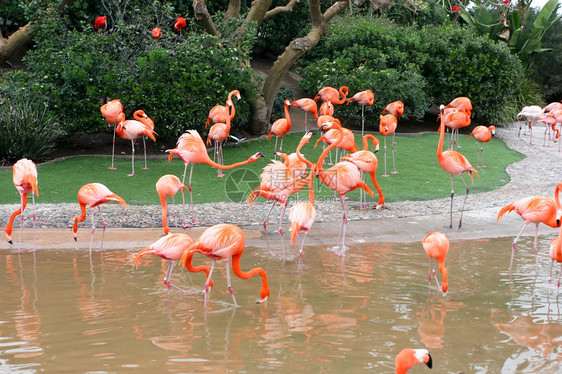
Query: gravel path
x=537, y=174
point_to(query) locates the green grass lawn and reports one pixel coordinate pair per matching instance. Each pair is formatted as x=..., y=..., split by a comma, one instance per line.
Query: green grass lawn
x=420, y=177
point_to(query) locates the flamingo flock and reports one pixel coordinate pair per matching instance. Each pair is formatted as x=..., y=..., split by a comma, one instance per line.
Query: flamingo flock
x=279, y=180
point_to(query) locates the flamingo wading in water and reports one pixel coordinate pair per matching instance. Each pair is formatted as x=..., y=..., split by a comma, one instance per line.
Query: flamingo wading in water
x=168, y=186
x=25, y=180
x=92, y=195
x=436, y=245
x=408, y=358
x=224, y=242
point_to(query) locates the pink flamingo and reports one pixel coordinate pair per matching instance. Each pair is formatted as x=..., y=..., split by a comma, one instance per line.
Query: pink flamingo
x=220, y=113
x=387, y=126
x=462, y=104
x=333, y=95
x=408, y=358
x=366, y=97
x=171, y=247
x=341, y=178
x=281, y=127
x=556, y=254
x=550, y=123
x=395, y=108
x=143, y=118
x=111, y=111
x=482, y=134
x=191, y=149
x=532, y=114
x=168, y=186
x=223, y=242
x=25, y=180
x=327, y=109
x=455, y=120
x=133, y=129
x=367, y=162
x=537, y=209
x=93, y=195
x=453, y=163
x=436, y=245
x=309, y=106
x=218, y=133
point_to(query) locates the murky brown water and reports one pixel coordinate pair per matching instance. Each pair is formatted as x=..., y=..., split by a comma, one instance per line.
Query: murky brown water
x=64, y=312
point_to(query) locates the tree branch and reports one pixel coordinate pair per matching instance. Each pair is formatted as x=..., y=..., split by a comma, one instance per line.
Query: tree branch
x=281, y=9
x=204, y=18
x=233, y=9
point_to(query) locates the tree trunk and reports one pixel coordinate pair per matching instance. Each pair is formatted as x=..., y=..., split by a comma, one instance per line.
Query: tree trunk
x=259, y=122
x=17, y=44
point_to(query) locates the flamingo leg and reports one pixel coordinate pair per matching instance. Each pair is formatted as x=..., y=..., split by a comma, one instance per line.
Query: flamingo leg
x=514, y=245
x=281, y=145
x=229, y=284
x=21, y=223
x=429, y=270
x=265, y=227
x=113, y=149
x=103, y=227
x=394, y=171
x=550, y=272
x=183, y=206
x=362, y=117
x=275, y=155
x=34, y=222
x=168, y=278
x=385, y=173
x=144, y=146
x=305, y=122
x=132, y=159
x=559, y=273
x=93, y=230
x=465, y=197
x=193, y=222
x=207, y=283
x=341, y=237
x=451, y=208
x=220, y=159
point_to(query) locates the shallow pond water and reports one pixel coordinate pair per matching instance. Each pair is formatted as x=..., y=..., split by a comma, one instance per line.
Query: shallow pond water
x=63, y=311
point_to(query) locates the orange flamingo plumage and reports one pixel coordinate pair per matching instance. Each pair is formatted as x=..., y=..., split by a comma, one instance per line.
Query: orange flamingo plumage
x=367, y=162
x=455, y=119
x=25, y=180
x=223, y=242
x=181, y=24
x=132, y=129
x=309, y=106
x=333, y=95
x=482, y=134
x=111, y=111
x=556, y=254
x=453, y=163
x=191, y=149
x=436, y=245
x=327, y=109
x=462, y=104
x=537, y=209
x=281, y=127
x=168, y=186
x=363, y=98
x=143, y=118
x=93, y=195
x=341, y=178
x=408, y=358
x=395, y=108
x=387, y=126
x=220, y=113
x=218, y=133
x=171, y=247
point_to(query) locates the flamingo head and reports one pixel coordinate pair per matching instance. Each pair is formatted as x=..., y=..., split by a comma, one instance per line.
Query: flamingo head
x=257, y=156
x=328, y=126
x=492, y=129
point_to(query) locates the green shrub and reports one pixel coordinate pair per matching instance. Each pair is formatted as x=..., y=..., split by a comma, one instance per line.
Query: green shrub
x=26, y=128
x=546, y=68
x=432, y=65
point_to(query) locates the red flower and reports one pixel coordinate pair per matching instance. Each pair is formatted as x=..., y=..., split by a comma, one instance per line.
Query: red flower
x=100, y=22
x=180, y=24
x=455, y=9
x=156, y=33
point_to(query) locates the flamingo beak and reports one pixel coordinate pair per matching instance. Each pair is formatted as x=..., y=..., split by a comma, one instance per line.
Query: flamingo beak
x=261, y=154
x=429, y=362
x=262, y=301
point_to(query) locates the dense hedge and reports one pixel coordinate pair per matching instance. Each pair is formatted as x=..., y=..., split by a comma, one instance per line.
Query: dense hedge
x=421, y=67
x=176, y=79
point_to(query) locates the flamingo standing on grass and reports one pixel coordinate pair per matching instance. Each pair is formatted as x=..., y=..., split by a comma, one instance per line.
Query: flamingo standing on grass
x=132, y=129
x=366, y=97
x=220, y=113
x=455, y=119
x=191, y=150
x=367, y=162
x=25, y=180
x=341, y=178
x=218, y=133
x=537, y=209
x=453, y=163
x=281, y=127
x=168, y=186
x=395, y=108
x=333, y=95
x=309, y=106
x=111, y=111
x=171, y=247
x=482, y=134
x=93, y=195
x=387, y=126
x=225, y=242
x=143, y=118
x=408, y=358
x=436, y=245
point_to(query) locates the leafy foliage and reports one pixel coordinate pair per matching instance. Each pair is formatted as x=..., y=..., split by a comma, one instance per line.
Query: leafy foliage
x=432, y=65
x=27, y=129
x=546, y=68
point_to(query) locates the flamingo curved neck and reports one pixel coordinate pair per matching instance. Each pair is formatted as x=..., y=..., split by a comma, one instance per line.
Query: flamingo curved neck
x=247, y=275
x=329, y=148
